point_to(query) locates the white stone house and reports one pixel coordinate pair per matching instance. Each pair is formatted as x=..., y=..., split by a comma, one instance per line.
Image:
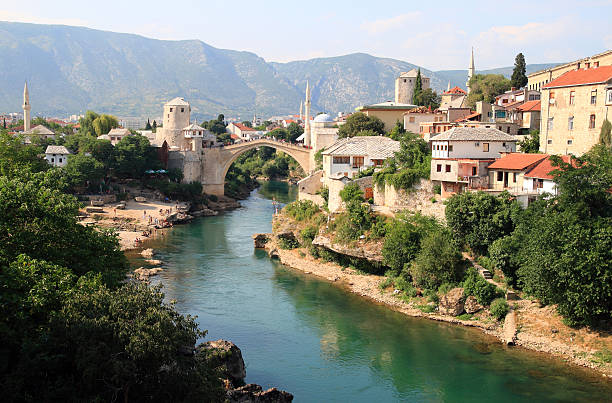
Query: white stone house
x=348, y=156
x=539, y=179
x=57, y=155
x=245, y=133
x=40, y=132
x=460, y=157
x=115, y=135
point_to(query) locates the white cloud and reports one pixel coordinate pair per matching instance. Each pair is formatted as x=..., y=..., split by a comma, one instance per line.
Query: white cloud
x=384, y=25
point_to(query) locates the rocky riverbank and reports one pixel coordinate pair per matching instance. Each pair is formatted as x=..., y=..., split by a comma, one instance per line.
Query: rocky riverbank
x=530, y=325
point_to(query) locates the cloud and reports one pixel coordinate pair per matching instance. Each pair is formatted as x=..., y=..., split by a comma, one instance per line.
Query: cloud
x=384, y=25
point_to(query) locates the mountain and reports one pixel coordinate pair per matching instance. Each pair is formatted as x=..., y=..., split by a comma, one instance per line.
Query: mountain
x=73, y=69
x=459, y=77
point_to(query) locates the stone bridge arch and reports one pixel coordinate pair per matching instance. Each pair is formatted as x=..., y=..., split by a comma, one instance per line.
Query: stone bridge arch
x=217, y=161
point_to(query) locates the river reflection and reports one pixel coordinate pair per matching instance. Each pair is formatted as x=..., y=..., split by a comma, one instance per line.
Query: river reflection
x=322, y=343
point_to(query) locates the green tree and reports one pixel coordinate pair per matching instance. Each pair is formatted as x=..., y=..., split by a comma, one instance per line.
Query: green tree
x=485, y=87
x=294, y=131
x=84, y=170
x=439, y=261
x=429, y=98
x=605, y=134
x=148, y=125
x=479, y=218
x=519, y=76
x=418, y=88
x=17, y=158
x=133, y=155
x=154, y=126
x=530, y=144
x=351, y=192
x=358, y=122
x=247, y=123
x=398, y=131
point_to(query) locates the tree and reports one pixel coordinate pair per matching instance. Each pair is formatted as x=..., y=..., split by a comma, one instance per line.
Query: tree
x=439, y=261
x=519, y=77
x=17, y=158
x=418, y=88
x=429, y=98
x=133, y=156
x=294, y=131
x=358, y=122
x=96, y=125
x=148, y=125
x=247, y=123
x=484, y=87
x=605, y=134
x=398, y=131
x=479, y=218
x=154, y=126
x=530, y=144
x=84, y=170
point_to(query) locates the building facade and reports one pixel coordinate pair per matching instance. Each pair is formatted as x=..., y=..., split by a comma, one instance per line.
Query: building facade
x=57, y=156
x=404, y=86
x=573, y=109
x=348, y=156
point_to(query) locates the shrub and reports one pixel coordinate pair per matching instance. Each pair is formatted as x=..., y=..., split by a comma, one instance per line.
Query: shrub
x=301, y=210
x=476, y=285
x=309, y=233
x=438, y=261
x=351, y=192
x=445, y=288
x=437, y=189
x=288, y=243
x=503, y=254
x=499, y=308
x=378, y=228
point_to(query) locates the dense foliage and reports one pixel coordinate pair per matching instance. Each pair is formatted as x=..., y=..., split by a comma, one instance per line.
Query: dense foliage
x=485, y=87
x=408, y=166
x=360, y=122
x=301, y=210
x=519, y=76
x=530, y=144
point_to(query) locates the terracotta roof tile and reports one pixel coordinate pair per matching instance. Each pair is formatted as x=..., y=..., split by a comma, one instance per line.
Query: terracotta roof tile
x=595, y=75
x=530, y=106
x=244, y=128
x=517, y=161
x=456, y=90
x=543, y=169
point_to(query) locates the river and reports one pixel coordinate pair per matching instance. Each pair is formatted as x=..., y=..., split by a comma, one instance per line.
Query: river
x=324, y=344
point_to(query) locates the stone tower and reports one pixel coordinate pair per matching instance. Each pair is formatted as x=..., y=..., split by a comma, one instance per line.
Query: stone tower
x=470, y=71
x=177, y=115
x=26, y=108
x=307, y=116
x=404, y=86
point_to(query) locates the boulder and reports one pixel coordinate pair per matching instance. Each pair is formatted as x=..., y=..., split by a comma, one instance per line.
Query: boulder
x=471, y=305
x=452, y=303
x=147, y=253
x=254, y=393
x=225, y=355
x=143, y=273
x=154, y=262
x=260, y=240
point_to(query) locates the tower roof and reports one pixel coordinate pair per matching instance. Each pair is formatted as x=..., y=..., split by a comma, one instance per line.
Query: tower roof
x=178, y=101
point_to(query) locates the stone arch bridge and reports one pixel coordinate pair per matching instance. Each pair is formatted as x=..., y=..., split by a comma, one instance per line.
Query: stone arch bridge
x=217, y=161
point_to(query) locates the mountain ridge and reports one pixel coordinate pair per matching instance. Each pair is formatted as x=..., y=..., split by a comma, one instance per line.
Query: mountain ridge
x=72, y=69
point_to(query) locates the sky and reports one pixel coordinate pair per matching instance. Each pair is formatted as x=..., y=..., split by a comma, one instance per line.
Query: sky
x=435, y=34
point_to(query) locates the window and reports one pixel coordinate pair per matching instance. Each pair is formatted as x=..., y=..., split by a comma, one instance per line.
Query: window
x=572, y=97
x=485, y=147
x=450, y=148
x=550, y=123
x=549, y=141
x=570, y=123
x=421, y=129
x=609, y=96
x=587, y=65
x=52, y=159
x=411, y=119
x=342, y=160
x=473, y=171
x=500, y=176
x=508, y=130
x=404, y=80
x=595, y=64
x=378, y=163
x=514, y=177
x=182, y=109
x=592, y=122
x=570, y=142
x=60, y=160
x=357, y=162
x=170, y=111
x=439, y=168
x=593, y=97
x=445, y=147
x=448, y=168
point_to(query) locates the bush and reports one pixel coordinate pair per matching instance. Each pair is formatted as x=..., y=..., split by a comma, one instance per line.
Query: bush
x=309, y=233
x=351, y=192
x=437, y=189
x=301, y=210
x=378, y=228
x=288, y=243
x=438, y=261
x=503, y=254
x=499, y=308
x=476, y=285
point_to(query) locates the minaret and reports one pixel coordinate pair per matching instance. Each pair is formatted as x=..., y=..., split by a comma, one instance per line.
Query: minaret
x=301, y=110
x=448, y=87
x=26, y=108
x=470, y=71
x=307, y=116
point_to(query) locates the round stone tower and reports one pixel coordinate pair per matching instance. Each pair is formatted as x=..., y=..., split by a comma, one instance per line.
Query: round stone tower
x=177, y=115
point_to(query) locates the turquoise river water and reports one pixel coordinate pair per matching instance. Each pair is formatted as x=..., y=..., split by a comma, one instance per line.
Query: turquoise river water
x=324, y=344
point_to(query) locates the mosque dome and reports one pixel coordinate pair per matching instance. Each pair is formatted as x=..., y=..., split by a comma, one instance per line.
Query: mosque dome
x=323, y=118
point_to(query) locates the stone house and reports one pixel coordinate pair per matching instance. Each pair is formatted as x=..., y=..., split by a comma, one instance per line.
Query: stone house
x=57, y=155
x=348, y=156
x=508, y=172
x=115, y=135
x=460, y=157
x=40, y=132
x=414, y=117
x=539, y=179
x=528, y=115
x=389, y=112
x=245, y=133
x=574, y=107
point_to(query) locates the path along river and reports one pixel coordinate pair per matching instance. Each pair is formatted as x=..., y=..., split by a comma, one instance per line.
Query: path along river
x=323, y=344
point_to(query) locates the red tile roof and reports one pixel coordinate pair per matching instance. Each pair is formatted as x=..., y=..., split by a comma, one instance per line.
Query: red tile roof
x=468, y=117
x=595, y=75
x=234, y=136
x=530, y=106
x=244, y=128
x=517, y=161
x=543, y=169
x=456, y=90
x=511, y=104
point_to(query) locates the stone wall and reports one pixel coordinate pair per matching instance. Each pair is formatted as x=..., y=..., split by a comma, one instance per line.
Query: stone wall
x=335, y=202
x=418, y=199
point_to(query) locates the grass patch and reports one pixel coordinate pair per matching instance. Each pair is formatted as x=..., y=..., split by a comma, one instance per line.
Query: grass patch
x=465, y=316
x=426, y=308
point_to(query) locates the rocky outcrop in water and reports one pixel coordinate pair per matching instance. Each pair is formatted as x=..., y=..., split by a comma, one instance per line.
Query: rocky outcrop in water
x=260, y=240
x=369, y=251
x=471, y=305
x=253, y=393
